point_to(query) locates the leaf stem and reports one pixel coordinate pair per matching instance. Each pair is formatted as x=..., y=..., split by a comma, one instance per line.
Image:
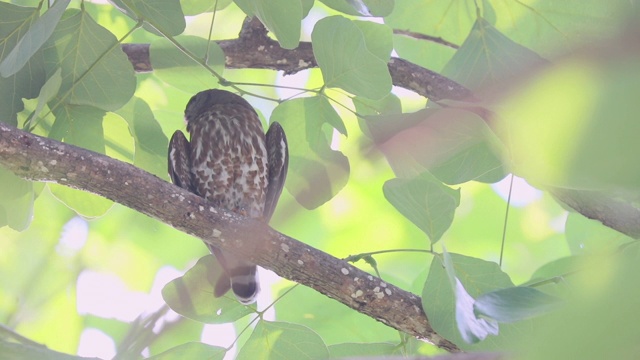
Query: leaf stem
x=357, y=257
x=506, y=217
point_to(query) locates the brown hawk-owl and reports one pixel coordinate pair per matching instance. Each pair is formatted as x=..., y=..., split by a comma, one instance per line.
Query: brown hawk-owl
x=233, y=164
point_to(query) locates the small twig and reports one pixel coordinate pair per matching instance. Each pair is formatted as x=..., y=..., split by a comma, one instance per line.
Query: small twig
x=420, y=36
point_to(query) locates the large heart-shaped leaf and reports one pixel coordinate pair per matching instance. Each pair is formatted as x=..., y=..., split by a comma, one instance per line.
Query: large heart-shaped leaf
x=316, y=172
x=353, y=59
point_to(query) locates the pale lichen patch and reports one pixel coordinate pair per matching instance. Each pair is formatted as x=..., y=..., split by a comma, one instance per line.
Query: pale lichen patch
x=216, y=233
x=344, y=271
x=284, y=247
x=41, y=167
x=387, y=291
x=300, y=262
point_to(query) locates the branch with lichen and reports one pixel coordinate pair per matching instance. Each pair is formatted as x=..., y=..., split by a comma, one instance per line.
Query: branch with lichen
x=41, y=159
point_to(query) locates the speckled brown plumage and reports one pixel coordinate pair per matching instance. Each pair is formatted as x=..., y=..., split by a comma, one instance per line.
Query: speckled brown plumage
x=232, y=163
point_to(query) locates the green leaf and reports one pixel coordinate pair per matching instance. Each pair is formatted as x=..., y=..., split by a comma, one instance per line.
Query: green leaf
x=282, y=17
x=455, y=145
x=477, y=277
x=14, y=23
x=16, y=201
x=450, y=21
x=487, y=58
x=163, y=15
x=47, y=92
x=586, y=236
x=192, y=350
x=80, y=126
x=192, y=295
x=388, y=105
x=378, y=39
x=554, y=277
x=151, y=143
x=361, y=7
x=514, y=304
x=316, y=172
x=281, y=340
x=559, y=267
x=177, y=69
x=86, y=204
x=348, y=350
x=471, y=328
x=347, y=59
x=425, y=201
x=334, y=322
x=92, y=63
x=33, y=39
x=195, y=7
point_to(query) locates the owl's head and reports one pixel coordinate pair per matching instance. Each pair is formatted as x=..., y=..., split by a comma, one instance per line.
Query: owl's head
x=207, y=99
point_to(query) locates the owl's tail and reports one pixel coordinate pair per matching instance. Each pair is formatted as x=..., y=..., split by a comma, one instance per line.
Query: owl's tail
x=241, y=277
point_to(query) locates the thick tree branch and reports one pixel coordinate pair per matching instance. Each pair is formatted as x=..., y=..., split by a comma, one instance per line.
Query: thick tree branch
x=614, y=213
x=41, y=159
x=254, y=49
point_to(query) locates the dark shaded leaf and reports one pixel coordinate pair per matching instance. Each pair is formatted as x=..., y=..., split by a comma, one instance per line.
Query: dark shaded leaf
x=150, y=142
x=15, y=21
x=454, y=145
x=440, y=301
x=33, y=39
x=192, y=295
x=514, y=304
x=316, y=172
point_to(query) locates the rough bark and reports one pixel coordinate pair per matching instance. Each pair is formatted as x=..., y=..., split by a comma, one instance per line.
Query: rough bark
x=42, y=159
x=254, y=49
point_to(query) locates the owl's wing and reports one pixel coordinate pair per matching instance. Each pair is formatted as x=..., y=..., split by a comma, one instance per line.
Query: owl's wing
x=180, y=161
x=278, y=155
x=180, y=173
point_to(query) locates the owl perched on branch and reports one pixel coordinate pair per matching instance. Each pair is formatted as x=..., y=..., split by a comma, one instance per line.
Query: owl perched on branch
x=233, y=164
